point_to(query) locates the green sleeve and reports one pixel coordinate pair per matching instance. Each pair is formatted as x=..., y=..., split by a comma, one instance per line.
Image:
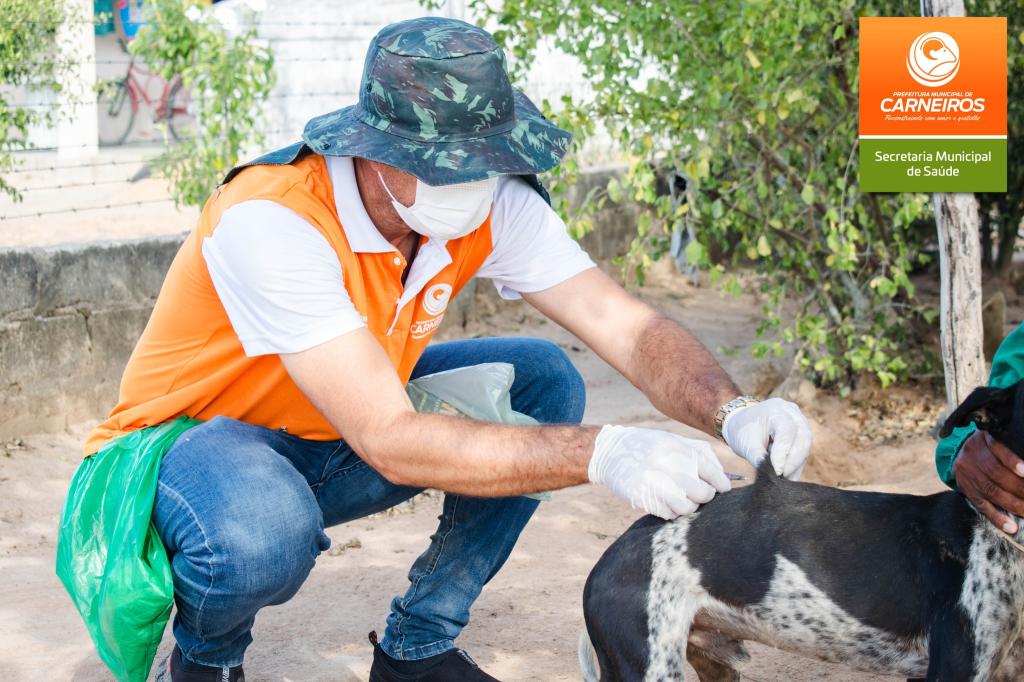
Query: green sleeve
x=1007, y=369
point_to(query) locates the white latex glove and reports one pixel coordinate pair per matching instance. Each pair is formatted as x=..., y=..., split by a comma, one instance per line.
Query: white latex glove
x=774, y=424
x=662, y=473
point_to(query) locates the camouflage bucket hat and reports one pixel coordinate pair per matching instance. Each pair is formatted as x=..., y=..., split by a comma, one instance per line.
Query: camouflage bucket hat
x=435, y=101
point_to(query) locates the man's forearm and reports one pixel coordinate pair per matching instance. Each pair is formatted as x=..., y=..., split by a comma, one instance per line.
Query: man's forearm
x=678, y=374
x=476, y=458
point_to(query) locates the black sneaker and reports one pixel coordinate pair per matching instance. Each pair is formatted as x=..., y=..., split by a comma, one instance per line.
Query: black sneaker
x=451, y=666
x=176, y=668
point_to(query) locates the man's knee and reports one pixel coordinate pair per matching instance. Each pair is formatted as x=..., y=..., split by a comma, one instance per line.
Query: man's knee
x=240, y=523
x=558, y=388
x=267, y=558
x=251, y=557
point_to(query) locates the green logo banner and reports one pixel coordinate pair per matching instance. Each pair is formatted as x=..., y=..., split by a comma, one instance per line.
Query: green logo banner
x=968, y=164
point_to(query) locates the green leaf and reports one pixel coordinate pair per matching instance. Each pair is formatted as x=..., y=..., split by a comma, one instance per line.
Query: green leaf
x=614, y=190
x=703, y=168
x=695, y=253
x=807, y=194
x=716, y=208
x=643, y=223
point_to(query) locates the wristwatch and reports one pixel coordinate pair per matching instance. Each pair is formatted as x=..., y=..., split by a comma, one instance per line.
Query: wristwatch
x=730, y=407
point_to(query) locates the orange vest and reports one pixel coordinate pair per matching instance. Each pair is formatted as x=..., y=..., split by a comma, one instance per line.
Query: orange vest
x=189, y=360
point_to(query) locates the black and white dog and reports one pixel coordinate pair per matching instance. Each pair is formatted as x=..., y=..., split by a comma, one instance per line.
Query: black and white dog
x=917, y=586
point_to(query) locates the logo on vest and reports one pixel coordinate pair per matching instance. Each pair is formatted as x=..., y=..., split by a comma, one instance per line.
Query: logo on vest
x=436, y=299
x=425, y=327
x=933, y=59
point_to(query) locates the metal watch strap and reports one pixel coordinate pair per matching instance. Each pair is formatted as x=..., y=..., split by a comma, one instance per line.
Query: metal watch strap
x=731, y=406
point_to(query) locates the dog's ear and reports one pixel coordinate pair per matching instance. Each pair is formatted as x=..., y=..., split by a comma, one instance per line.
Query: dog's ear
x=990, y=408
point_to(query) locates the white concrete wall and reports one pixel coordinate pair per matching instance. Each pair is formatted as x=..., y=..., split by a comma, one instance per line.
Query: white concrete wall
x=76, y=123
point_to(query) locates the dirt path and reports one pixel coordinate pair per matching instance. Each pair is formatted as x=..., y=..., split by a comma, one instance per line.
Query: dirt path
x=526, y=623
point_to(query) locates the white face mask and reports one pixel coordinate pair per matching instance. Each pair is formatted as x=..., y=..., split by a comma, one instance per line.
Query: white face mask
x=448, y=211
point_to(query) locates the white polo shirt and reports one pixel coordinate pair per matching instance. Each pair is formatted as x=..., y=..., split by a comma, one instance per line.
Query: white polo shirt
x=282, y=286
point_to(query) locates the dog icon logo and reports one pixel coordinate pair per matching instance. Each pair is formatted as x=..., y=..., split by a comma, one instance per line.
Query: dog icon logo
x=436, y=299
x=933, y=59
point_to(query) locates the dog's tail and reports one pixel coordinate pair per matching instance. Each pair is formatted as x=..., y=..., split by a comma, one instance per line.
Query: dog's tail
x=588, y=659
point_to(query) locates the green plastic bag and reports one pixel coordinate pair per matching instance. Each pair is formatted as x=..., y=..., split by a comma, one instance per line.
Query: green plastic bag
x=109, y=556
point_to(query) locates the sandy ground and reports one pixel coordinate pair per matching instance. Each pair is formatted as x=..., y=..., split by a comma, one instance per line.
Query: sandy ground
x=526, y=623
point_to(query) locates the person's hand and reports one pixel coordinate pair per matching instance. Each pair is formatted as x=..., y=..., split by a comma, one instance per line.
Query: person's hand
x=992, y=478
x=776, y=426
x=662, y=473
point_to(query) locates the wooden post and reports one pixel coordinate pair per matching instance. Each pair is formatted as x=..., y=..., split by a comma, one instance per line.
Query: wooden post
x=959, y=223
x=963, y=360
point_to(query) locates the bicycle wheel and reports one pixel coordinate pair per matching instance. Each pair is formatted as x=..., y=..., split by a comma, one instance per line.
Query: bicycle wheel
x=115, y=113
x=178, y=112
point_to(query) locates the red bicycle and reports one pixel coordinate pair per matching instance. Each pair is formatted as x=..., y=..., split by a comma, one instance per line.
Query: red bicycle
x=119, y=102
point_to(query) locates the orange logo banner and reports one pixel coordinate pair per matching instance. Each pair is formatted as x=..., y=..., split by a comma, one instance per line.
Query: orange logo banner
x=933, y=76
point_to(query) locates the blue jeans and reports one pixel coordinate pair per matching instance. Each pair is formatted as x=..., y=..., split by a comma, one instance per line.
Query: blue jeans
x=242, y=509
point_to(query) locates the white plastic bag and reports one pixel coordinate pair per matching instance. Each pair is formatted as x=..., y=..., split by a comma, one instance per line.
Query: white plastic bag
x=478, y=392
